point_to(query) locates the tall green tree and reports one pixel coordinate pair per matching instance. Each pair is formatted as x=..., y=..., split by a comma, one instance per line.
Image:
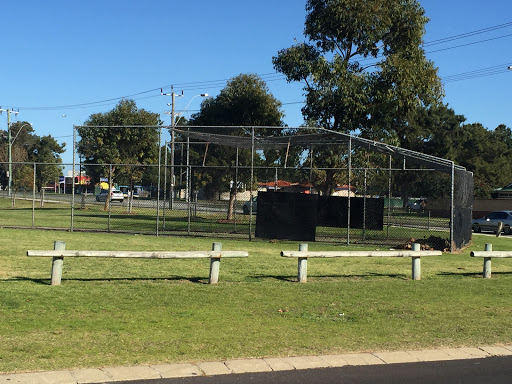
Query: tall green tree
x=245, y=101
x=29, y=147
x=124, y=135
x=46, y=150
x=363, y=67
x=482, y=151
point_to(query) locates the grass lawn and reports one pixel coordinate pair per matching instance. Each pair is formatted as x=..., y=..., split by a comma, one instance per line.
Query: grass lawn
x=142, y=220
x=111, y=312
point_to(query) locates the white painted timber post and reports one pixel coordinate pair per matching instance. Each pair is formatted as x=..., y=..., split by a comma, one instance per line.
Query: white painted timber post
x=416, y=262
x=215, y=264
x=487, y=262
x=302, y=267
x=57, y=263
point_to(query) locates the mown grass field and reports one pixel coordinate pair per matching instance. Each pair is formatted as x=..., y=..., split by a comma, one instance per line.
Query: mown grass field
x=142, y=219
x=111, y=312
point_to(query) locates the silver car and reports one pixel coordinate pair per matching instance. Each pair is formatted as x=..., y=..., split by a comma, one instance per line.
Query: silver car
x=115, y=195
x=246, y=208
x=492, y=220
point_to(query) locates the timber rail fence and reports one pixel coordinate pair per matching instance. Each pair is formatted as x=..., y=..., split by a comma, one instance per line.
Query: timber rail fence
x=303, y=254
x=59, y=252
x=488, y=254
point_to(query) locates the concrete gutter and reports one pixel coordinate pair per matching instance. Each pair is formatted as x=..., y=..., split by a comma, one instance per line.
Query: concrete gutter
x=163, y=371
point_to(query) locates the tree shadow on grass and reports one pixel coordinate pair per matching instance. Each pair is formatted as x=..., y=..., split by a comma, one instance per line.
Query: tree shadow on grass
x=196, y=280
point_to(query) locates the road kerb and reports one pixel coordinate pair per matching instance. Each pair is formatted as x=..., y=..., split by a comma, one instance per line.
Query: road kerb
x=211, y=368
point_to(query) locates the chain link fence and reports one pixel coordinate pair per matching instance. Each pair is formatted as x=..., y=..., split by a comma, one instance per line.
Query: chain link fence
x=200, y=188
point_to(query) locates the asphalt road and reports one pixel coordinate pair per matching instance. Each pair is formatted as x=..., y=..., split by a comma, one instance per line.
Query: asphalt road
x=491, y=370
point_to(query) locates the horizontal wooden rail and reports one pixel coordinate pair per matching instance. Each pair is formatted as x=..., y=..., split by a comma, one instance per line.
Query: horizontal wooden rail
x=360, y=253
x=500, y=254
x=488, y=254
x=139, y=255
x=303, y=254
x=59, y=252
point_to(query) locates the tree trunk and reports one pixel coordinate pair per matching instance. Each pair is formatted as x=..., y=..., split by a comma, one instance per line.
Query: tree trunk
x=107, y=200
x=130, y=196
x=231, y=208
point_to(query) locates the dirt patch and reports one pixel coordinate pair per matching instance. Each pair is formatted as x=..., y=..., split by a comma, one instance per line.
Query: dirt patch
x=433, y=243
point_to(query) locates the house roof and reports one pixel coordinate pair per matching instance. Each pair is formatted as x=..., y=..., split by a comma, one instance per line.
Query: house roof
x=278, y=183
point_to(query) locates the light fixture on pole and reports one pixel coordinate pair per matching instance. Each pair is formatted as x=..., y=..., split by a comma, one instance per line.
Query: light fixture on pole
x=173, y=97
x=24, y=125
x=10, y=143
x=174, y=122
x=187, y=178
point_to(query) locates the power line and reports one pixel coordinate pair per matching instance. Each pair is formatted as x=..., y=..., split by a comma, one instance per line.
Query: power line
x=467, y=34
x=268, y=77
x=457, y=37
x=472, y=43
x=489, y=71
x=274, y=76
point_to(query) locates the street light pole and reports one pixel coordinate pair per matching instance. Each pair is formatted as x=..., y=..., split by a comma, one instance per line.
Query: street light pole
x=9, y=149
x=173, y=137
x=173, y=97
x=9, y=144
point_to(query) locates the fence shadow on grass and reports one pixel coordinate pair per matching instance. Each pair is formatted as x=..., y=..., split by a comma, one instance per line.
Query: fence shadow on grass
x=293, y=278
x=472, y=274
x=196, y=280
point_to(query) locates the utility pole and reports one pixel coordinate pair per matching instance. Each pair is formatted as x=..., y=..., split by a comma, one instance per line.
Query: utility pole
x=9, y=145
x=173, y=96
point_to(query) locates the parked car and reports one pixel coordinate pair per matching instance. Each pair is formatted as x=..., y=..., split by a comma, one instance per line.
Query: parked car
x=491, y=221
x=127, y=191
x=417, y=206
x=115, y=195
x=247, y=206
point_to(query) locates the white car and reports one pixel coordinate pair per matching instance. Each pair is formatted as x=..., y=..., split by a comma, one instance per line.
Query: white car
x=115, y=195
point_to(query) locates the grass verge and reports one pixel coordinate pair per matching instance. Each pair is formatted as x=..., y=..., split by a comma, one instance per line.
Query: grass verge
x=121, y=312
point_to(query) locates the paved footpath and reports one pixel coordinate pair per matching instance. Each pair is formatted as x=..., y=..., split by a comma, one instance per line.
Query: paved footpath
x=212, y=368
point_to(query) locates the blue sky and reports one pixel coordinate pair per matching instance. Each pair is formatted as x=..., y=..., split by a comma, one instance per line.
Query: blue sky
x=59, y=54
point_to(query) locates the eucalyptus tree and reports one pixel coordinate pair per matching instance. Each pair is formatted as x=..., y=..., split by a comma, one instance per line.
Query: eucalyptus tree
x=363, y=67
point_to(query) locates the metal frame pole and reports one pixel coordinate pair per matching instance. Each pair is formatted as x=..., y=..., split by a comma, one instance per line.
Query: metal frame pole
x=34, y=197
x=189, y=205
x=108, y=196
x=310, y=168
x=158, y=179
x=236, y=188
x=348, y=192
x=364, y=204
x=389, y=197
x=73, y=182
x=173, y=139
x=452, y=209
x=252, y=183
x=9, y=149
x=165, y=183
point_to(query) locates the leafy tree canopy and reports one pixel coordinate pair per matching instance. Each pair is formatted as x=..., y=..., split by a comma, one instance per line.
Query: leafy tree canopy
x=130, y=136
x=245, y=101
x=363, y=66
x=29, y=147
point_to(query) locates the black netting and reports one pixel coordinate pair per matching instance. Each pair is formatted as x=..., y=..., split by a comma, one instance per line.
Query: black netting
x=289, y=216
x=463, y=208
